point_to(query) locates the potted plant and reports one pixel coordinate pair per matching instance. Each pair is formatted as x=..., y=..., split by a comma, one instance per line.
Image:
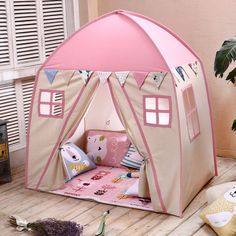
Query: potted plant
x=224, y=57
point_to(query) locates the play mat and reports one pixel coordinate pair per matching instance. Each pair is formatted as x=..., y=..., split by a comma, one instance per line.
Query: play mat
x=104, y=185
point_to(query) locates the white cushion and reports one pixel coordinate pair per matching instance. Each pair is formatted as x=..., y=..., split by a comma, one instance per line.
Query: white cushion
x=133, y=189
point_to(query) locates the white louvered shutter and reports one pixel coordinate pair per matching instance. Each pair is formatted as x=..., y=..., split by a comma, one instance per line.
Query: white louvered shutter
x=27, y=91
x=26, y=29
x=53, y=24
x=4, y=43
x=35, y=27
x=8, y=111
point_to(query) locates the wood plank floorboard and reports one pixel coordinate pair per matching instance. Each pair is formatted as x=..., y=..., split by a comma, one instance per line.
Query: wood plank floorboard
x=33, y=205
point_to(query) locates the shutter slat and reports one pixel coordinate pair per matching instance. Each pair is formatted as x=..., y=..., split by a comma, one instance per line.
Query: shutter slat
x=24, y=20
x=21, y=40
x=56, y=33
x=55, y=42
x=53, y=21
x=7, y=108
x=30, y=44
x=25, y=50
x=25, y=27
x=27, y=57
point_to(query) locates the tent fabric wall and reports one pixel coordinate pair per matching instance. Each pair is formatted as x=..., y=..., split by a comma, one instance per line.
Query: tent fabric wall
x=47, y=173
x=198, y=154
x=108, y=119
x=150, y=144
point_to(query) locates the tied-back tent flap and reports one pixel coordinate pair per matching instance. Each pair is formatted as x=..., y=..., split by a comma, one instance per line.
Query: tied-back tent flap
x=116, y=42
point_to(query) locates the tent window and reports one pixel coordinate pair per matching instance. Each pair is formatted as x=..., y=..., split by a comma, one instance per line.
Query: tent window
x=191, y=113
x=51, y=103
x=157, y=111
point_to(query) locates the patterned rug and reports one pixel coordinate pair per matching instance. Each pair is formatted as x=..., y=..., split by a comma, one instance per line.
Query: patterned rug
x=104, y=185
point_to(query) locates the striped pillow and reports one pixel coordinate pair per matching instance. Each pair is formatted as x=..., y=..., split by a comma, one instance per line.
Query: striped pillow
x=132, y=158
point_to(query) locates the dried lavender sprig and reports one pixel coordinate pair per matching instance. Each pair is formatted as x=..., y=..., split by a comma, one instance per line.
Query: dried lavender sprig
x=53, y=227
x=47, y=227
x=18, y=222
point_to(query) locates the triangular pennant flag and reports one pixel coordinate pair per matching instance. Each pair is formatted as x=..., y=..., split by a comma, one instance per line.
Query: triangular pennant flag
x=158, y=77
x=51, y=74
x=193, y=66
x=122, y=76
x=103, y=76
x=179, y=69
x=85, y=75
x=175, y=76
x=140, y=77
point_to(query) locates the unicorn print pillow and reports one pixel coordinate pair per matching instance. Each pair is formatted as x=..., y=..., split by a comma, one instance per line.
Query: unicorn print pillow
x=221, y=214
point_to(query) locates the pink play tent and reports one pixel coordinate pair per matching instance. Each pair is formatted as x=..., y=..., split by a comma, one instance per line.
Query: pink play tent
x=125, y=71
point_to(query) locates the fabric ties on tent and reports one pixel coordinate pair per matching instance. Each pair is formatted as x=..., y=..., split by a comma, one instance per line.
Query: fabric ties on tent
x=103, y=76
x=140, y=77
x=51, y=74
x=85, y=75
x=122, y=76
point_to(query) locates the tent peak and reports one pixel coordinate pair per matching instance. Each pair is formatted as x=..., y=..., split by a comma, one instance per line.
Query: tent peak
x=121, y=41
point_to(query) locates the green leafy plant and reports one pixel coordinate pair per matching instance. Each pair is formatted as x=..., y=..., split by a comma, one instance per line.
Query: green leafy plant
x=224, y=57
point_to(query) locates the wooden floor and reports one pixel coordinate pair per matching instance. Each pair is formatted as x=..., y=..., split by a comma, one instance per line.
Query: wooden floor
x=32, y=205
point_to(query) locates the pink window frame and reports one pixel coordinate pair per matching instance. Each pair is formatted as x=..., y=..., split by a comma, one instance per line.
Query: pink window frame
x=189, y=114
x=51, y=103
x=157, y=110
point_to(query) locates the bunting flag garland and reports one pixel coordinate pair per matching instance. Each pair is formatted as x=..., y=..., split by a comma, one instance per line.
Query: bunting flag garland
x=158, y=78
x=122, y=76
x=193, y=66
x=103, y=76
x=181, y=71
x=51, y=74
x=140, y=77
x=85, y=75
x=175, y=76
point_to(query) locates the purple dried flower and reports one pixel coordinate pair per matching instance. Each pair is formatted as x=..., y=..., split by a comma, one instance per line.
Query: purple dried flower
x=47, y=227
x=53, y=227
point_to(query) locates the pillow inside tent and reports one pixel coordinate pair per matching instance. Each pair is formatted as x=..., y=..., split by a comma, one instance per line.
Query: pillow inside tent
x=133, y=189
x=75, y=160
x=132, y=158
x=107, y=148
